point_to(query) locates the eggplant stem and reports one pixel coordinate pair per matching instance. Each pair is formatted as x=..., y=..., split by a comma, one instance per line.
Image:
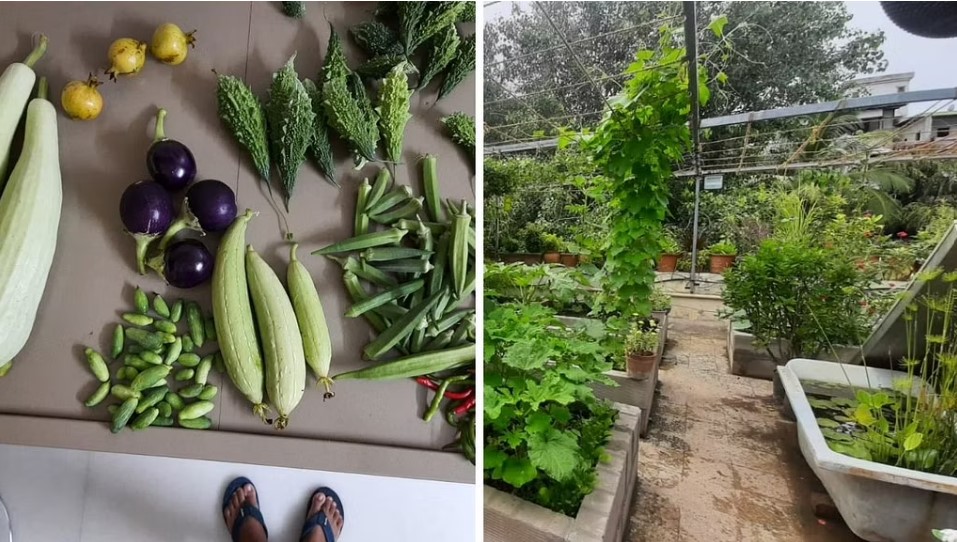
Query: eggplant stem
x=143, y=242
x=37, y=52
x=185, y=220
x=160, y=130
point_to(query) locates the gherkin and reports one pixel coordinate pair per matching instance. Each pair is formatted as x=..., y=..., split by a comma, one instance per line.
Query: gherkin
x=242, y=112
x=290, y=119
x=393, y=110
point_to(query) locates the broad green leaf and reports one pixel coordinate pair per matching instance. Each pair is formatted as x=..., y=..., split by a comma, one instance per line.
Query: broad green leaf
x=913, y=441
x=494, y=458
x=518, y=471
x=554, y=452
x=537, y=422
x=717, y=25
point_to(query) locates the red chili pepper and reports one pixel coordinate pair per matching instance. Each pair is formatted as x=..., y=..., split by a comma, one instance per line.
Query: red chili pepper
x=459, y=395
x=466, y=406
x=427, y=382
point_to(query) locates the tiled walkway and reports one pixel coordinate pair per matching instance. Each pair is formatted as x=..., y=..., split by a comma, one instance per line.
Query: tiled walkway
x=720, y=464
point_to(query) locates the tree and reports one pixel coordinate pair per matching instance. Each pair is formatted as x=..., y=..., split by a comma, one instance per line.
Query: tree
x=784, y=53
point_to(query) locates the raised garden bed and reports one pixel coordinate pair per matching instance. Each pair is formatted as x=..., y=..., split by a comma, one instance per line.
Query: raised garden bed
x=880, y=503
x=603, y=515
x=753, y=361
x=639, y=393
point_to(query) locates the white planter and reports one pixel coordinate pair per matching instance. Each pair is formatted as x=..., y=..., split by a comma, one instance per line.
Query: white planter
x=753, y=360
x=880, y=503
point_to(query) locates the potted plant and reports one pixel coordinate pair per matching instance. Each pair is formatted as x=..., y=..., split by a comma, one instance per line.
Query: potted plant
x=670, y=252
x=552, y=247
x=722, y=255
x=641, y=349
x=571, y=257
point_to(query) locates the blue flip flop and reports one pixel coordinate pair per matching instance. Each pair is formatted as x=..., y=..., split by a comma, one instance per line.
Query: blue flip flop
x=246, y=511
x=319, y=519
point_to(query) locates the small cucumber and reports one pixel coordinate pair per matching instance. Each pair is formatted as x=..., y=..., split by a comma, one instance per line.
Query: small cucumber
x=191, y=392
x=188, y=345
x=196, y=410
x=140, y=301
x=209, y=391
x=188, y=360
x=97, y=365
x=118, y=336
x=202, y=370
x=176, y=311
x=152, y=397
x=165, y=326
x=162, y=421
x=97, y=397
x=197, y=326
x=123, y=414
x=147, y=339
x=196, y=423
x=151, y=358
x=160, y=306
x=111, y=409
x=165, y=409
x=209, y=329
x=184, y=374
x=136, y=362
x=150, y=377
x=173, y=352
x=136, y=319
x=123, y=393
x=145, y=419
x=175, y=401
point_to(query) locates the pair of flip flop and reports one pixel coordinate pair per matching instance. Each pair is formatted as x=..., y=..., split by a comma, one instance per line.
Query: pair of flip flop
x=319, y=520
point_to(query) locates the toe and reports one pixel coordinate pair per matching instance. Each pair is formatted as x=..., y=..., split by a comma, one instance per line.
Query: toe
x=250, y=493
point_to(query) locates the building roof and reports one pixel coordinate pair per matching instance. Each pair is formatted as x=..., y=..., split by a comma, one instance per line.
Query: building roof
x=884, y=78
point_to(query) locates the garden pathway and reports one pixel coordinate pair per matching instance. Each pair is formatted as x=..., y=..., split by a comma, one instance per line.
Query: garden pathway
x=720, y=464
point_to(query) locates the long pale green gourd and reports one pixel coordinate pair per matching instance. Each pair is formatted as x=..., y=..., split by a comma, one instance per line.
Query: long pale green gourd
x=29, y=219
x=16, y=84
x=233, y=315
x=316, y=341
x=281, y=339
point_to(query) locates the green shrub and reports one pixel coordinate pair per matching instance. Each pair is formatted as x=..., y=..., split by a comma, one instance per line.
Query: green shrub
x=642, y=340
x=800, y=293
x=723, y=248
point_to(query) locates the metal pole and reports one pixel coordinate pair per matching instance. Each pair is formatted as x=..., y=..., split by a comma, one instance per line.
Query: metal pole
x=691, y=48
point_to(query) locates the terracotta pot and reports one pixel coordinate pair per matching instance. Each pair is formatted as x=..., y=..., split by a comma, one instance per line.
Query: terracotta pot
x=640, y=367
x=568, y=260
x=668, y=263
x=551, y=257
x=720, y=263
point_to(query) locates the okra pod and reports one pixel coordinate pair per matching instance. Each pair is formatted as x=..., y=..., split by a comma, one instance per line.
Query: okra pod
x=123, y=414
x=402, y=290
x=365, y=272
x=151, y=398
x=145, y=419
x=98, y=395
x=394, y=198
x=399, y=330
x=437, y=228
x=383, y=254
x=379, y=188
x=97, y=365
x=362, y=219
x=197, y=326
x=140, y=301
x=195, y=410
x=358, y=294
x=209, y=328
x=209, y=391
x=184, y=374
x=415, y=365
x=137, y=319
x=159, y=306
x=118, y=336
x=173, y=352
x=197, y=423
x=440, y=341
x=176, y=311
x=392, y=236
x=448, y=321
x=459, y=256
x=165, y=326
x=392, y=311
x=202, y=370
x=437, y=277
x=461, y=332
x=406, y=210
x=188, y=360
x=411, y=265
x=430, y=181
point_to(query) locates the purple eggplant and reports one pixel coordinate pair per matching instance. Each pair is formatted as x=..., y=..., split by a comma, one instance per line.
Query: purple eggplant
x=187, y=263
x=146, y=210
x=169, y=162
x=209, y=205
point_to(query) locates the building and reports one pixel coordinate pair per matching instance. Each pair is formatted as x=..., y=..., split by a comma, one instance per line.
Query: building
x=915, y=126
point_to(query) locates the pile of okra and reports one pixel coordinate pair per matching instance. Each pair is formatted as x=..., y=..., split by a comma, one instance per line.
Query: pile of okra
x=156, y=357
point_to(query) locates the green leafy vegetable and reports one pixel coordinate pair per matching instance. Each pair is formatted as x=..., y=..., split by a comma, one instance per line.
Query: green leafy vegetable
x=460, y=67
x=346, y=104
x=320, y=147
x=290, y=118
x=393, y=110
x=376, y=39
x=242, y=112
x=462, y=129
x=443, y=50
x=296, y=10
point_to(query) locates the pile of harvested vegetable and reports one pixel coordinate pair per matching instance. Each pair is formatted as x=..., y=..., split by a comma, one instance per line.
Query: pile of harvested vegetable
x=153, y=350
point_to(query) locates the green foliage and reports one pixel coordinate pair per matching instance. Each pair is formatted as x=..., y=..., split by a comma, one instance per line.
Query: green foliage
x=642, y=340
x=393, y=111
x=800, y=293
x=290, y=119
x=636, y=147
x=669, y=244
x=552, y=243
x=660, y=299
x=568, y=291
x=545, y=430
x=723, y=248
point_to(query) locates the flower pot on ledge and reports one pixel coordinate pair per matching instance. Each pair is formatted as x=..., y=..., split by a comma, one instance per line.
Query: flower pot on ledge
x=568, y=260
x=640, y=366
x=551, y=257
x=720, y=262
x=668, y=263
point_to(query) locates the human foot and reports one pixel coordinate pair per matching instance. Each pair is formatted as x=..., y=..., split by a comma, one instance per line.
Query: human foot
x=241, y=512
x=323, y=517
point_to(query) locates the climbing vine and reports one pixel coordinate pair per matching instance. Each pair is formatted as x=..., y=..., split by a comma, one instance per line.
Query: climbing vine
x=637, y=145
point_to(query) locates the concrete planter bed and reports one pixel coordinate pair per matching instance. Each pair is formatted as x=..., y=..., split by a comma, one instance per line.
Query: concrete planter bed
x=639, y=393
x=880, y=503
x=603, y=515
x=753, y=361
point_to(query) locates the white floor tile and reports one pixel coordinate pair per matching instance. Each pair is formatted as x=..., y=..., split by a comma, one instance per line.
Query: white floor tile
x=43, y=491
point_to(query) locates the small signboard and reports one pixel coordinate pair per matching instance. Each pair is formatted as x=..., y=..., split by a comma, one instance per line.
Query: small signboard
x=713, y=182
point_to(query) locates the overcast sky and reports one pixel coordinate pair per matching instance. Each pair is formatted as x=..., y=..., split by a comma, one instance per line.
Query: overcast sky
x=931, y=60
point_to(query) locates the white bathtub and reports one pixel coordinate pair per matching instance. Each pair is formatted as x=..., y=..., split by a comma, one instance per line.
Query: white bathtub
x=880, y=503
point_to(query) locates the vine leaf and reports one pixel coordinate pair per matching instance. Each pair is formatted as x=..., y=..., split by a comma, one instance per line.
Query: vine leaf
x=554, y=452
